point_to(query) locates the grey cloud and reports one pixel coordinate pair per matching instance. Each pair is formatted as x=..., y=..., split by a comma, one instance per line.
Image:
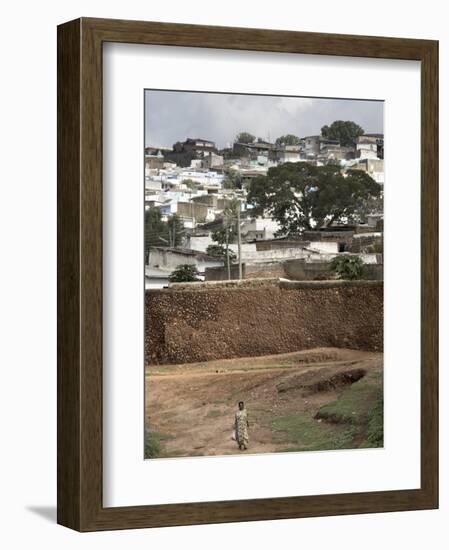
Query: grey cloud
x=172, y=116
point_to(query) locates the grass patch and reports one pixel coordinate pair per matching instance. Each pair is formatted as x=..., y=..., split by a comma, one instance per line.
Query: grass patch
x=354, y=405
x=375, y=429
x=301, y=432
x=353, y=420
x=152, y=444
x=260, y=417
x=176, y=453
x=360, y=407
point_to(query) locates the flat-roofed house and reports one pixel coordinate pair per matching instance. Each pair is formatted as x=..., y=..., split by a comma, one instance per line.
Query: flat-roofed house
x=370, y=146
x=290, y=153
x=373, y=166
x=168, y=259
x=195, y=145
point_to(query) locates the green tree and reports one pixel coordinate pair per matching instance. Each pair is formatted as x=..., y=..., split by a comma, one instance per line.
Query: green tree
x=152, y=444
x=374, y=205
x=175, y=229
x=345, y=131
x=184, y=273
x=288, y=139
x=179, y=156
x=225, y=235
x=347, y=267
x=155, y=230
x=300, y=196
x=161, y=233
x=219, y=251
x=245, y=137
x=232, y=180
x=190, y=183
x=219, y=235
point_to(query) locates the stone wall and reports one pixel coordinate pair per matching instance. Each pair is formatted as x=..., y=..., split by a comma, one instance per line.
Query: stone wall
x=205, y=321
x=295, y=270
x=298, y=270
x=252, y=271
x=270, y=270
x=221, y=273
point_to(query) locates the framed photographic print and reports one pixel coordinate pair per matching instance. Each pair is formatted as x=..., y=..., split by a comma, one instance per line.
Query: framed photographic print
x=247, y=287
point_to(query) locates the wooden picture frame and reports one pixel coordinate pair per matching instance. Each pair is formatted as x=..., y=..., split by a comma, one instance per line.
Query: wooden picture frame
x=80, y=504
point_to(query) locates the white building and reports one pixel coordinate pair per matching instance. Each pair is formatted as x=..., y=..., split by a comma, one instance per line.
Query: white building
x=166, y=260
x=259, y=228
x=290, y=153
x=210, y=160
x=156, y=278
x=366, y=149
x=370, y=146
x=373, y=166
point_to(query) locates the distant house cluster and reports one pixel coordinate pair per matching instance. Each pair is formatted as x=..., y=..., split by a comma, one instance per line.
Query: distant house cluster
x=198, y=182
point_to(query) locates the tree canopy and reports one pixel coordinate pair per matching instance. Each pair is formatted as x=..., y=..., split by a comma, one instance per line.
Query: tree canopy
x=228, y=228
x=288, y=139
x=219, y=251
x=345, y=131
x=190, y=183
x=184, y=273
x=219, y=235
x=300, y=196
x=245, y=137
x=162, y=233
x=232, y=180
x=347, y=267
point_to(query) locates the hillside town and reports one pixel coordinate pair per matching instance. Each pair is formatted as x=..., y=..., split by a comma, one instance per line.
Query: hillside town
x=200, y=209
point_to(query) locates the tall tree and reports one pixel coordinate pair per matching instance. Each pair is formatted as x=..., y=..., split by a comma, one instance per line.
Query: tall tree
x=245, y=137
x=155, y=229
x=162, y=233
x=219, y=251
x=225, y=235
x=175, y=229
x=300, y=196
x=232, y=180
x=345, y=131
x=226, y=231
x=288, y=139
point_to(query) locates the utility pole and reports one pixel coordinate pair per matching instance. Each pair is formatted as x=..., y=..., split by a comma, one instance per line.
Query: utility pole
x=239, y=240
x=227, y=252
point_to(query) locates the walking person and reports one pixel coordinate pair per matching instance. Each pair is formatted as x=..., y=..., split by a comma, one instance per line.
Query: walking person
x=241, y=427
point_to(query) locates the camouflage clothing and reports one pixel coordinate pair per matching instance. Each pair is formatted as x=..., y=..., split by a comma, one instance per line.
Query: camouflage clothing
x=241, y=428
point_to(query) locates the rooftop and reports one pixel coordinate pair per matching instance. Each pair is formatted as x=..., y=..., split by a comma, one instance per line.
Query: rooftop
x=185, y=252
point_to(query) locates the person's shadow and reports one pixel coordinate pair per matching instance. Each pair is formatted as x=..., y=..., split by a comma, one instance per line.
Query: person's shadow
x=46, y=512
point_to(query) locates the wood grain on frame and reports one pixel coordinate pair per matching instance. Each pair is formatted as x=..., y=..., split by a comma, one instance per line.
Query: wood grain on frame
x=80, y=274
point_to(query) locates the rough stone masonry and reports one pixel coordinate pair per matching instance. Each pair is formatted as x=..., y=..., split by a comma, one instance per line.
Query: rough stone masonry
x=205, y=321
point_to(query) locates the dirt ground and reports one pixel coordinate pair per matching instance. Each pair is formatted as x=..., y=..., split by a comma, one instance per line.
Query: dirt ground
x=309, y=400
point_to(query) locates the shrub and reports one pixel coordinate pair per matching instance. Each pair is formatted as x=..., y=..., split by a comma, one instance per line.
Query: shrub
x=347, y=267
x=184, y=273
x=152, y=445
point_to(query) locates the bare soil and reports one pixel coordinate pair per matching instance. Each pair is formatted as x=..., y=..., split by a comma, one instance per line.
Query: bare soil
x=191, y=407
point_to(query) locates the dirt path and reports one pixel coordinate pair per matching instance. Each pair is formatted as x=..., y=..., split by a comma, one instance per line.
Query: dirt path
x=191, y=407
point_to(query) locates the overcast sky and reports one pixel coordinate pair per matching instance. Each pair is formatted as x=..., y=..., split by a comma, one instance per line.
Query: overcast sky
x=175, y=116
